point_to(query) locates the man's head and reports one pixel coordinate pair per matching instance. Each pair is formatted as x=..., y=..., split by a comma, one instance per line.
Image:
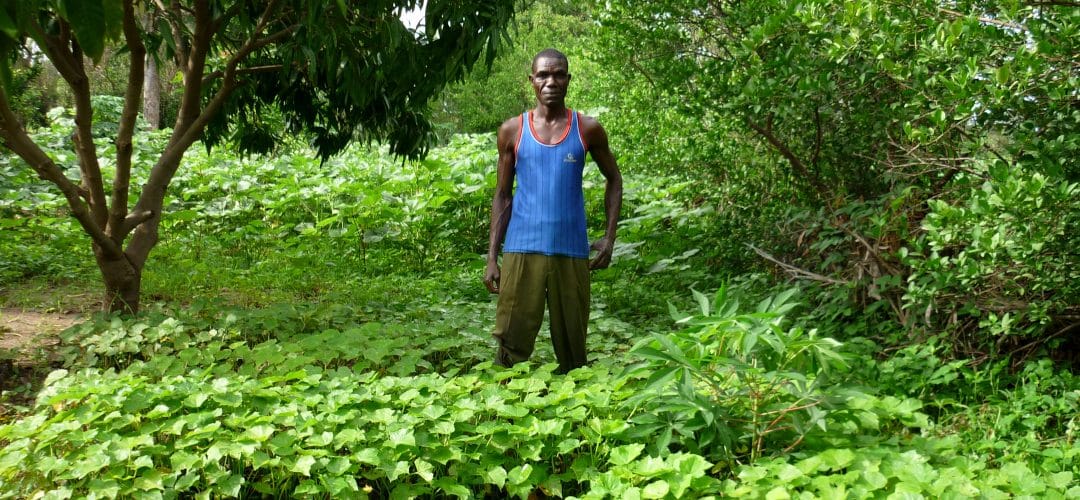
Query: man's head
x=550, y=77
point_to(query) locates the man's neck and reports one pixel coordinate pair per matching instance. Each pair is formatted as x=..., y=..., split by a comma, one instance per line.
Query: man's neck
x=550, y=113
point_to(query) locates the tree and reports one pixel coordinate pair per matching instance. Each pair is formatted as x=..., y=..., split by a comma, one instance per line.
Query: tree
x=335, y=71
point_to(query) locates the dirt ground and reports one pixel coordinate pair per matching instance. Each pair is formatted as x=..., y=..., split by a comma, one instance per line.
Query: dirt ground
x=25, y=331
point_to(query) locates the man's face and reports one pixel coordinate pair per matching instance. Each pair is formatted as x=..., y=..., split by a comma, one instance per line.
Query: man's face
x=549, y=80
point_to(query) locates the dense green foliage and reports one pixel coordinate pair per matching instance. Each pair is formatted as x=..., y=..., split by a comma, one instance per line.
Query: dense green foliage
x=846, y=267
x=351, y=364
x=493, y=94
x=928, y=151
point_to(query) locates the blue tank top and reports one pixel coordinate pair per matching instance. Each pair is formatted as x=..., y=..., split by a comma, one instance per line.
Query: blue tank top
x=548, y=210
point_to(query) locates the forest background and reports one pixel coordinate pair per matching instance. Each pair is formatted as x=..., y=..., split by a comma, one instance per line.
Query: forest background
x=847, y=266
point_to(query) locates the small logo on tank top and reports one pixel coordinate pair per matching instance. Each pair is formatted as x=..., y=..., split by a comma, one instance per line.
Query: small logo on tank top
x=570, y=158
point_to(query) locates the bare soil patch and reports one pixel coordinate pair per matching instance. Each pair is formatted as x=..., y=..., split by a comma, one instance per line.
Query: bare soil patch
x=28, y=331
x=27, y=339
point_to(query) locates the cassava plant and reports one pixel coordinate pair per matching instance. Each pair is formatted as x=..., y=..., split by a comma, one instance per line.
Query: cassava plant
x=732, y=385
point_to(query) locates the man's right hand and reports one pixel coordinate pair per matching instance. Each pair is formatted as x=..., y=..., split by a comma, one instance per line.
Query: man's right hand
x=491, y=277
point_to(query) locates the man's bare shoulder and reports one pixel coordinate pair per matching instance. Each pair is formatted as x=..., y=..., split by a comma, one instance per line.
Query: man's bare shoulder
x=588, y=121
x=510, y=125
x=592, y=130
x=509, y=128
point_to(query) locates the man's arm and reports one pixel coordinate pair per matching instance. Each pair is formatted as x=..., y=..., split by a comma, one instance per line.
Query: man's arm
x=501, y=204
x=597, y=140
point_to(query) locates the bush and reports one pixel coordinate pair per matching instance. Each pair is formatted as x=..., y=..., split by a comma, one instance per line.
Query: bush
x=1001, y=261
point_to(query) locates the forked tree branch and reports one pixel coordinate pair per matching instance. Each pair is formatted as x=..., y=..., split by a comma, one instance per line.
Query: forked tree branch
x=16, y=139
x=153, y=193
x=193, y=118
x=67, y=57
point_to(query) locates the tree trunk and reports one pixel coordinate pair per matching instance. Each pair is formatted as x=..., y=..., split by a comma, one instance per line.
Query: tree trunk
x=152, y=94
x=123, y=281
x=151, y=98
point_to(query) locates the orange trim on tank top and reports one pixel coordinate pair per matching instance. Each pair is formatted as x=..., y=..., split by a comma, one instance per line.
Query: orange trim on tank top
x=569, y=124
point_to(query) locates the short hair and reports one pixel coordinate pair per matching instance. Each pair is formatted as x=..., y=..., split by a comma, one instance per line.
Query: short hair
x=550, y=54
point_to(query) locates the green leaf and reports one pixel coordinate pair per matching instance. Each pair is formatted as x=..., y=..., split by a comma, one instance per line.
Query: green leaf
x=303, y=465
x=338, y=465
x=567, y=445
x=231, y=485
x=673, y=351
x=402, y=437
x=260, y=433
x=496, y=475
x=703, y=302
x=651, y=466
x=1060, y=480
x=90, y=464
x=625, y=454
x=451, y=487
x=87, y=19
x=788, y=473
x=7, y=25
x=196, y=400
x=656, y=489
x=368, y=456
x=149, y=480
x=103, y=488
x=837, y=458
x=182, y=460
x=519, y=475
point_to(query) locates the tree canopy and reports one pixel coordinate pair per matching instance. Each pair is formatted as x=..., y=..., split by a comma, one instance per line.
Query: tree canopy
x=332, y=71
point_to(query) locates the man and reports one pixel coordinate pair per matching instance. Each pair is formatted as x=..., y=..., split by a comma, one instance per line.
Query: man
x=543, y=222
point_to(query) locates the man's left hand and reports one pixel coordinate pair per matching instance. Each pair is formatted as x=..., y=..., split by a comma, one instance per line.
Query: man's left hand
x=603, y=247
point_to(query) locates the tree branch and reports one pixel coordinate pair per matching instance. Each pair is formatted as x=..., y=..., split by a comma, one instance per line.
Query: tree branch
x=986, y=20
x=795, y=162
x=153, y=193
x=132, y=100
x=66, y=55
x=84, y=142
x=20, y=143
x=192, y=120
x=53, y=49
x=269, y=68
x=796, y=272
x=133, y=220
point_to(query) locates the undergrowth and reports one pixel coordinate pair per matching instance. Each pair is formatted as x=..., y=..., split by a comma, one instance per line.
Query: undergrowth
x=346, y=353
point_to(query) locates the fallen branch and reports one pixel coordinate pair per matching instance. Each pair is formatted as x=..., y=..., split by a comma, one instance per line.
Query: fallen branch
x=795, y=271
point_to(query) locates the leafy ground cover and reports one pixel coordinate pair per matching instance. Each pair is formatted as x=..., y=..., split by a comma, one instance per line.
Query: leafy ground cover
x=320, y=330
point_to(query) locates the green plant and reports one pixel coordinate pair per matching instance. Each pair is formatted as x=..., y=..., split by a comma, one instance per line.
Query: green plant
x=999, y=259
x=732, y=384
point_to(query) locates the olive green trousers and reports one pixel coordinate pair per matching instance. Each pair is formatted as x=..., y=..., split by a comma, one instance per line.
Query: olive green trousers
x=526, y=283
